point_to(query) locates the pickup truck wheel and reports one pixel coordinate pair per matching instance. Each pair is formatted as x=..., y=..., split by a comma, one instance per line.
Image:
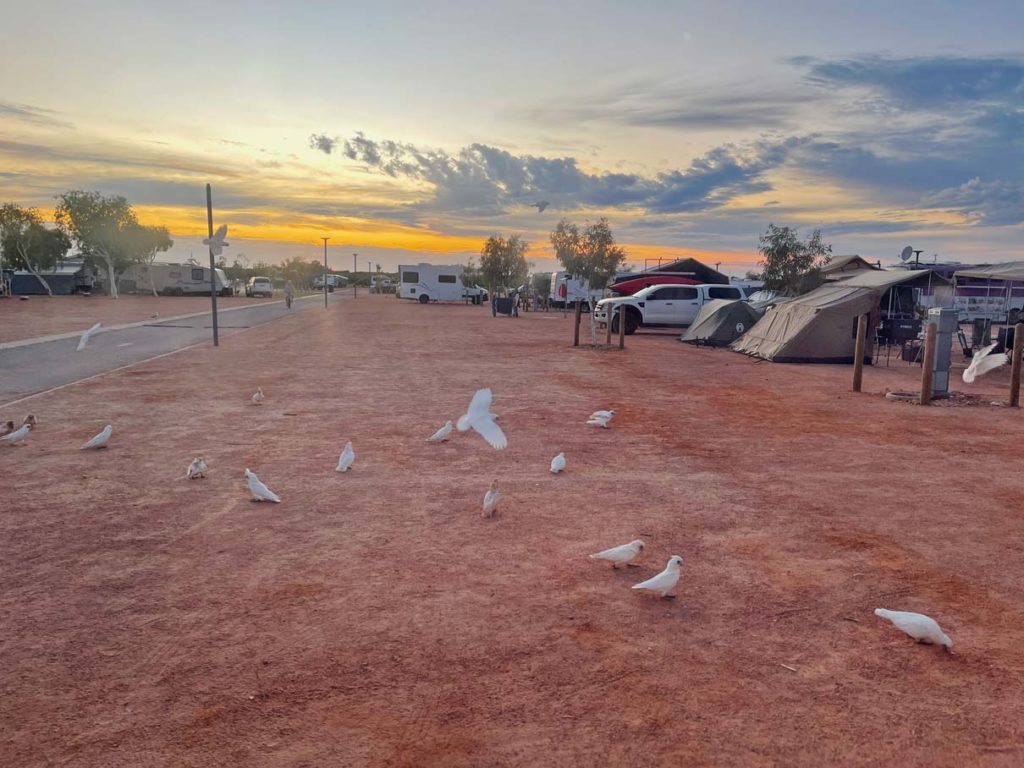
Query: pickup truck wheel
x=632, y=323
x=424, y=299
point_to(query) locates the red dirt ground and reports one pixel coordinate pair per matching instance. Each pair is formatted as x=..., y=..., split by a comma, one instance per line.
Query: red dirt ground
x=51, y=315
x=374, y=618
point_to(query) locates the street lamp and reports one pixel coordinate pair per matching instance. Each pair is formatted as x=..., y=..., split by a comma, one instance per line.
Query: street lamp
x=325, y=239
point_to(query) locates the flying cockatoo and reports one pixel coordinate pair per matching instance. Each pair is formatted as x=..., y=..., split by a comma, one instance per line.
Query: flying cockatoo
x=922, y=628
x=541, y=206
x=624, y=553
x=346, y=458
x=86, y=336
x=491, y=500
x=599, y=421
x=257, y=396
x=983, y=362
x=442, y=434
x=100, y=440
x=558, y=463
x=259, y=491
x=603, y=415
x=196, y=469
x=217, y=243
x=17, y=435
x=665, y=581
x=480, y=418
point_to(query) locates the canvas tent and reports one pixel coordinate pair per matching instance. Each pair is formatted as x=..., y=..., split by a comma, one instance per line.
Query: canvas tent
x=819, y=326
x=720, y=322
x=1010, y=270
x=842, y=267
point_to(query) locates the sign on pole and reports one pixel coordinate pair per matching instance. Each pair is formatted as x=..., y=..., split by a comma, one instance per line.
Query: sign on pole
x=217, y=245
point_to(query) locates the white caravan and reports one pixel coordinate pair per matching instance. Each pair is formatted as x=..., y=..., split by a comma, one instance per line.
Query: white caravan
x=567, y=290
x=172, y=279
x=430, y=282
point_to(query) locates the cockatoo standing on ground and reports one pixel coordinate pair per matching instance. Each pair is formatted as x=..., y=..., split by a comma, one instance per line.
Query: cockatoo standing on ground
x=625, y=553
x=665, y=581
x=442, y=434
x=558, y=464
x=259, y=491
x=196, y=469
x=479, y=417
x=491, y=500
x=100, y=440
x=346, y=458
x=984, y=362
x=922, y=628
x=18, y=435
x=257, y=396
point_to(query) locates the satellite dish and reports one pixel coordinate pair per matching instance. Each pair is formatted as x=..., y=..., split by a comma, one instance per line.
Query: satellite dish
x=906, y=253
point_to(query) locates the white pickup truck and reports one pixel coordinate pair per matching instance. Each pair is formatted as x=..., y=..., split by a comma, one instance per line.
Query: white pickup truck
x=662, y=306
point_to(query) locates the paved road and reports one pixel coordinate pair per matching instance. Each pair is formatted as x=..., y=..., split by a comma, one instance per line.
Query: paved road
x=39, y=367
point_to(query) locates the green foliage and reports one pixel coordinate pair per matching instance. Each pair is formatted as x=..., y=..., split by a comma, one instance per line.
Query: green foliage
x=27, y=244
x=471, y=275
x=791, y=265
x=503, y=262
x=104, y=228
x=542, y=283
x=590, y=254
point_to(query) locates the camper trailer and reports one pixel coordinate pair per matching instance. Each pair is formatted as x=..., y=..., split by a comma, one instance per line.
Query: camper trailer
x=566, y=290
x=430, y=282
x=172, y=279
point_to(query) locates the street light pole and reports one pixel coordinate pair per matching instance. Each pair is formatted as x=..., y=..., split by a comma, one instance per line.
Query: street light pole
x=213, y=265
x=354, y=268
x=325, y=239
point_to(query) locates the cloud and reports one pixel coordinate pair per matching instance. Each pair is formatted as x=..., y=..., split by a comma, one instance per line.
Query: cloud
x=322, y=142
x=925, y=83
x=35, y=115
x=995, y=203
x=485, y=180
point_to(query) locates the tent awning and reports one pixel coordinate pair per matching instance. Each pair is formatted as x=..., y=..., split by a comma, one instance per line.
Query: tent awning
x=1009, y=270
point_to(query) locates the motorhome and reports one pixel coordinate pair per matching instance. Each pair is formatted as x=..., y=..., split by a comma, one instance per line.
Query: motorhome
x=430, y=282
x=172, y=279
x=566, y=290
x=333, y=281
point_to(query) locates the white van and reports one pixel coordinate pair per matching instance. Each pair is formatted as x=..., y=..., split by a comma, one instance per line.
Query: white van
x=566, y=290
x=430, y=282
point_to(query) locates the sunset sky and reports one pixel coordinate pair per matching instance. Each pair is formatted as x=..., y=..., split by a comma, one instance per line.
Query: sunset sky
x=411, y=131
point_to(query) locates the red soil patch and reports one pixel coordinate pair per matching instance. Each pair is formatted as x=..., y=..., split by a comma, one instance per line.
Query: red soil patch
x=374, y=618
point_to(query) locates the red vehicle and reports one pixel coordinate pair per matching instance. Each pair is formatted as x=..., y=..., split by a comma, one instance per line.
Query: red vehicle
x=679, y=272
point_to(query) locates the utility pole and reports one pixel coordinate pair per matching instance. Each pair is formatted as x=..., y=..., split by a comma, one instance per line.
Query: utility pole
x=325, y=239
x=213, y=266
x=354, y=268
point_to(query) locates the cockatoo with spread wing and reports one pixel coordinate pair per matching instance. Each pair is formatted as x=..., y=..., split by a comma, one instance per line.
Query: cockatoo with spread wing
x=346, y=458
x=491, y=500
x=217, y=243
x=623, y=554
x=86, y=336
x=100, y=440
x=983, y=362
x=479, y=417
x=259, y=491
x=922, y=628
x=665, y=581
x=442, y=434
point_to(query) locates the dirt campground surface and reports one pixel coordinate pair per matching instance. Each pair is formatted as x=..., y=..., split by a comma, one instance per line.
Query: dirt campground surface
x=52, y=315
x=375, y=619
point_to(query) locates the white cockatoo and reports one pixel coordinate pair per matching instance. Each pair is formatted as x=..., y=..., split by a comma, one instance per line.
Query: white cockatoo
x=259, y=491
x=346, y=458
x=665, y=581
x=100, y=440
x=491, y=500
x=922, y=628
x=196, y=469
x=604, y=415
x=18, y=435
x=624, y=553
x=479, y=417
x=558, y=464
x=442, y=434
x=84, y=339
x=257, y=396
x=983, y=362
x=599, y=421
x=217, y=243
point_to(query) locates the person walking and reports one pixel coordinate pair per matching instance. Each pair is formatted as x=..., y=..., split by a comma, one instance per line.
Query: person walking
x=289, y=294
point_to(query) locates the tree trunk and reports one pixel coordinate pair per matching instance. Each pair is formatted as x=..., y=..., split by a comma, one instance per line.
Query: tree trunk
x=110, y=276
x=593, y=326
x=35, y=273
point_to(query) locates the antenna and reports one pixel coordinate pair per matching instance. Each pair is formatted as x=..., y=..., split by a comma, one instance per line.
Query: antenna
x=917, y=257
x=906, y=253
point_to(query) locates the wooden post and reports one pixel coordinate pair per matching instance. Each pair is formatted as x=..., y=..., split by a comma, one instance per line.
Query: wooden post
x=858, y=352
x=1018, y=346
x=608, y=314
x=622, y=326
x=576, y=325
x=929, y=363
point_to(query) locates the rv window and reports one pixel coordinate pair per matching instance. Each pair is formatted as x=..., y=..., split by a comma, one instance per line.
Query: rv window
x=446, y=278
x=174, y=274
x=724, y=292
x=410, y=277
x=197, y=274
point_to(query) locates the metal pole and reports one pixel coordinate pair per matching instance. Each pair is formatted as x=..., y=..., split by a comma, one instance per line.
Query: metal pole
x=354, y=268
x=576, y=324
x=213, y=266
x=858, y=352
x=325, y=239
x=929, y=363
x=622, y=326
x=1018, y=346
x=608, y=314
